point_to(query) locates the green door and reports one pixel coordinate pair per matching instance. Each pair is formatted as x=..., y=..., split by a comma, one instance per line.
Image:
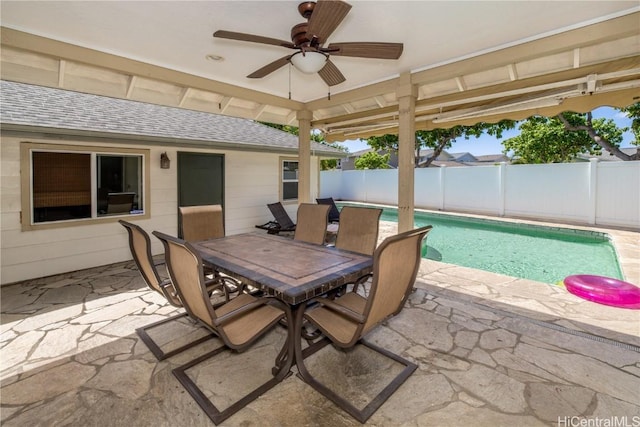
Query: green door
x=200, y=180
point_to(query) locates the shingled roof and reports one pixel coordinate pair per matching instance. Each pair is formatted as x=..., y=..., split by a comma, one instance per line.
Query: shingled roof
x=32, y=108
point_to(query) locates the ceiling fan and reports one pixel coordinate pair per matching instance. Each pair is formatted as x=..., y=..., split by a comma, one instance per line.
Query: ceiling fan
x=308, y=38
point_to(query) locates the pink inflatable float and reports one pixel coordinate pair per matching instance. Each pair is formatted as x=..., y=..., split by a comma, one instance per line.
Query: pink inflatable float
x=604, y=290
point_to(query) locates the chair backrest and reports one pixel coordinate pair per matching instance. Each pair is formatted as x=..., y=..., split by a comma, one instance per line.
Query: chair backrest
x=395, y=267
x=281, y=216
x=358, y=231
x=312, y=223
x=186, y=272
x=334, y=213
x=120, y=202
x=140, y=246
x=201, y=222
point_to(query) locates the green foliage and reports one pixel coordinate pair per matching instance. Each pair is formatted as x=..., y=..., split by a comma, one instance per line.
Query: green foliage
x=373, y=160
x=286, y=128
x=440, y=139
x=633, y=112
x=561, y=139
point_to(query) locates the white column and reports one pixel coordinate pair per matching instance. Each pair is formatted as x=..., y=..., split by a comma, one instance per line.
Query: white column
x=406, y=94
x=304, y=156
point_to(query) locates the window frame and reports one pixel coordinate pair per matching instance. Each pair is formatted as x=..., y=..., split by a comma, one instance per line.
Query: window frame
x=281, y=179
x=26, y=183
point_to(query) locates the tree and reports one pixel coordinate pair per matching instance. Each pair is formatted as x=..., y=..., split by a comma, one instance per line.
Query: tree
x=439, y=139
x=325, y=164
x=561, y=138
x=373, y=160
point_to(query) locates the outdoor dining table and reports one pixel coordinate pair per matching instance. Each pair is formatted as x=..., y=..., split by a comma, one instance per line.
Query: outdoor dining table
x=290, y=270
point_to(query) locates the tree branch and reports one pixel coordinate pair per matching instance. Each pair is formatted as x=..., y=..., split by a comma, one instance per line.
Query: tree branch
x=593, y=134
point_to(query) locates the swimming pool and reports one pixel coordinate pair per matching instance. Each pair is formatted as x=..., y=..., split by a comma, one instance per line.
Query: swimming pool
x=539, y=253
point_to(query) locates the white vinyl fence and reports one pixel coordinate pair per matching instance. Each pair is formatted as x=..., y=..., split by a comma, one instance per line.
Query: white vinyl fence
x=595, y=193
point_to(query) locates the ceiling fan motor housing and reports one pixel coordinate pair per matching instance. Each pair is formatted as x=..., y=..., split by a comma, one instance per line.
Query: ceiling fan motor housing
x=305, y=8
x=299, y=34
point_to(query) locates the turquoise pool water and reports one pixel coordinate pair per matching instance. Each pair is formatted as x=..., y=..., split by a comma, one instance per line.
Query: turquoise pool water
x=533, y=252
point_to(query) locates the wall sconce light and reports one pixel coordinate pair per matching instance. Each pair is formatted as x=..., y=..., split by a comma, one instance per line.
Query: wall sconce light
x=164, y=161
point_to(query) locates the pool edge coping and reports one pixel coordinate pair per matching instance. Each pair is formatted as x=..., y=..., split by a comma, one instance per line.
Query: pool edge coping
x=626, y=243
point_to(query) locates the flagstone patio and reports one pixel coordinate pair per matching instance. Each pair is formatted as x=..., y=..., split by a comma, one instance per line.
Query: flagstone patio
x=492, y=350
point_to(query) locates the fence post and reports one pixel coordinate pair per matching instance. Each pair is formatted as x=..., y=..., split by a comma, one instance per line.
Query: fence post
x=593, y=190
x=364, y=184
x=502, y=177
x=443, y=168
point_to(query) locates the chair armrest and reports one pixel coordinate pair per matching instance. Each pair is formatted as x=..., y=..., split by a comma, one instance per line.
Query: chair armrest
x=361, y=281
x=340, y=309
x=170, y=293
x=228, y=317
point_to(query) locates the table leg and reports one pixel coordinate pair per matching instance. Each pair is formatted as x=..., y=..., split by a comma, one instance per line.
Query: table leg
x=288, y=355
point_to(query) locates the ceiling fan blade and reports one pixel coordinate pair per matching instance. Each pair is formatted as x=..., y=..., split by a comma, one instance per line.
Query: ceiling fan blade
x=252, y=38
x=325, y=18
x=330, y=74
x=366, y=50
x=270, y=68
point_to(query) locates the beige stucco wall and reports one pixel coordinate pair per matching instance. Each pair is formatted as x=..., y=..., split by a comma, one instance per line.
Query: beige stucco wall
x=251, y=181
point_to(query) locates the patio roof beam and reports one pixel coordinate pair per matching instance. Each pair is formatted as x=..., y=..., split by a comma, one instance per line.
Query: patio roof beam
x=66, y=51
x=617, y=98
x=625, y=69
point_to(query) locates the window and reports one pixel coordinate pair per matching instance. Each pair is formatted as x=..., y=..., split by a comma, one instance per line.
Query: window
x=289, y=174
x=67, y=183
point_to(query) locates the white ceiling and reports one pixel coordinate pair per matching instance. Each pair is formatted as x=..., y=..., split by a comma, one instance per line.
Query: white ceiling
x=178, y=34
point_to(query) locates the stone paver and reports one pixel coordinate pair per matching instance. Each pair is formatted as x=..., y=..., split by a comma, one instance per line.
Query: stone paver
x=489, y=353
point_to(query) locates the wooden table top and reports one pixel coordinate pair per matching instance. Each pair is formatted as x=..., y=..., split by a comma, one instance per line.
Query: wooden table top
x=290, y=270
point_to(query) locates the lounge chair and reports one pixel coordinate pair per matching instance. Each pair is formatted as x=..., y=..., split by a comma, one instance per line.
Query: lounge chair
x=140, y=246
x=312, y=223
x=238, y=323
x=283, y=222
x=348, y=318
x=334, y=213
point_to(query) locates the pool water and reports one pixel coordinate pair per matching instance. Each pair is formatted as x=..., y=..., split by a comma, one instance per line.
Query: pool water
x=543, y=254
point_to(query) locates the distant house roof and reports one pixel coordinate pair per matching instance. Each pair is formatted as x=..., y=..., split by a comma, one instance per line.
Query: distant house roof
x=607, y=156
x=32, y=108
x=492, y=158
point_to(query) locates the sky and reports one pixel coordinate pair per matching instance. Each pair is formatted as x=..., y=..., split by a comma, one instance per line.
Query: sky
x=487, y=144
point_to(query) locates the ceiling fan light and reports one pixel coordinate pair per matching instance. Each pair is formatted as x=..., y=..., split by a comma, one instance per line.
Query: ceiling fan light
x=309, y=62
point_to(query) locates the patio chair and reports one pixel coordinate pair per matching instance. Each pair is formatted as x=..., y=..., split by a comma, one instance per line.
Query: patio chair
x=358, y=232
x=238, y=323
x=312, y=223
x=140, y=246
x=348, y=318
x=119, y=203
x=202, y=223
x=283, y=222
x=334, y=213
